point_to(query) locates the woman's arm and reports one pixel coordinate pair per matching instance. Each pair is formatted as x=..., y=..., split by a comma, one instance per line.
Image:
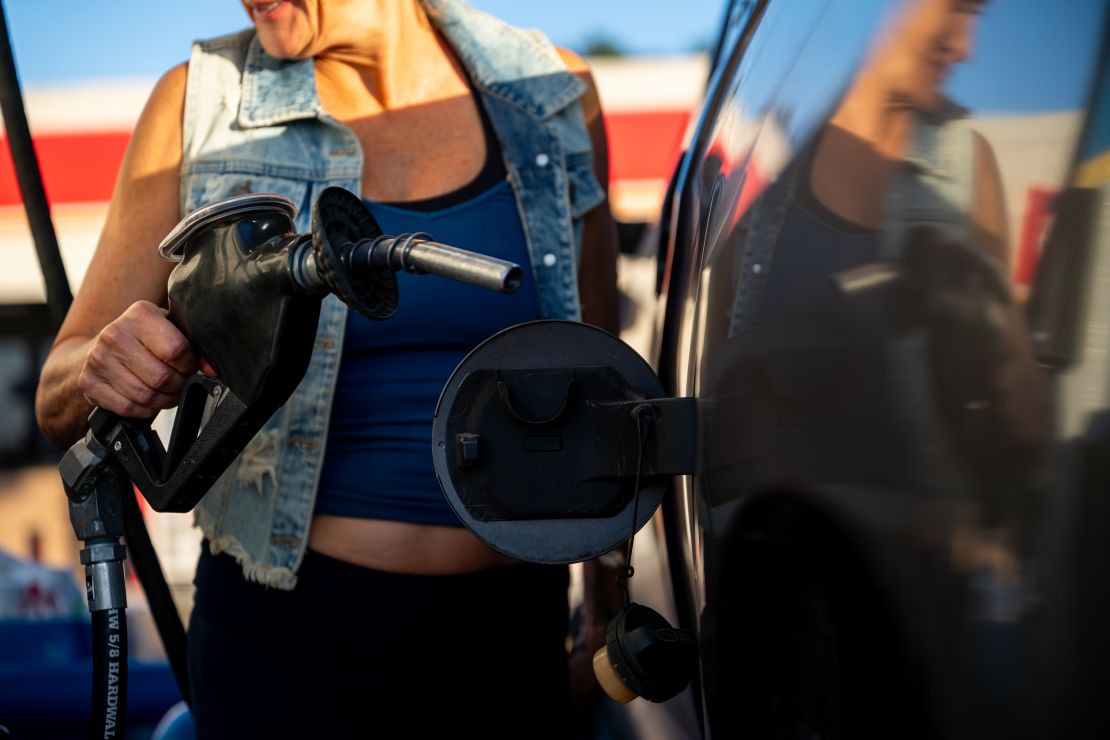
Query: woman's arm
x=597, y=273
x=1020, y=388
x=115, y=348
x=988, y=209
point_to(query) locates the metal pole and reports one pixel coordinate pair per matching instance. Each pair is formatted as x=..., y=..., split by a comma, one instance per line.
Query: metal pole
x=28, y=175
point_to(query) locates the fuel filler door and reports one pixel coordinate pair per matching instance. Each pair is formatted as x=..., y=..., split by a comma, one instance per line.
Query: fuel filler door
x=553, y=441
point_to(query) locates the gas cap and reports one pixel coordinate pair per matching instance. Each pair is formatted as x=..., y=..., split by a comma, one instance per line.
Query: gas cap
x=538, y=435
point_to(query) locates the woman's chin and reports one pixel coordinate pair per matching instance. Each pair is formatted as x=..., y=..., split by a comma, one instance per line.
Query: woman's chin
x=282, y=48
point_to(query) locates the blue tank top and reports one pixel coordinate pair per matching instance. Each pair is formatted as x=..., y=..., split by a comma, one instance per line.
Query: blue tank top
x=378, y=460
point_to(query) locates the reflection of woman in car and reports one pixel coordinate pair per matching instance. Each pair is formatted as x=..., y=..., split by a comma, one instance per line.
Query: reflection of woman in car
x=897, y=174
x=895, y=112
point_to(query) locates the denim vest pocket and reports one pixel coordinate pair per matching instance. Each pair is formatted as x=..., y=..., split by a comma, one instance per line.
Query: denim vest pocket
x=202, y=188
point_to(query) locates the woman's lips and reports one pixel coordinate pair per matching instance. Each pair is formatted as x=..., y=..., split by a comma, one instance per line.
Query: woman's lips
x=268, y=11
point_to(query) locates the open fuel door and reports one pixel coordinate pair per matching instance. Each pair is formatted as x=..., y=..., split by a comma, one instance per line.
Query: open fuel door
x=539, y=435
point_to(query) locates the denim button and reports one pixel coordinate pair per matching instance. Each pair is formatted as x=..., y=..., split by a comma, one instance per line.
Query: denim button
x=542, y=159
x=549, y=259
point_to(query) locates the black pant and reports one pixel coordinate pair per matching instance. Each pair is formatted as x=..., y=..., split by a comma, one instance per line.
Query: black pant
x=353, y=652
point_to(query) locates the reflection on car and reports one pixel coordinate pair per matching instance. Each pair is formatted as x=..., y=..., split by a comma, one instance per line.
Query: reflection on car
x=883, y=278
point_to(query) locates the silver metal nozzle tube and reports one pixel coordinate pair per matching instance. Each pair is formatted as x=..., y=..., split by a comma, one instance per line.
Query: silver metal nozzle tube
x=303, y=270
x=418, y=253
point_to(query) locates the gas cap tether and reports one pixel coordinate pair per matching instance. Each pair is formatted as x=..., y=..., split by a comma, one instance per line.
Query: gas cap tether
x=643, y=655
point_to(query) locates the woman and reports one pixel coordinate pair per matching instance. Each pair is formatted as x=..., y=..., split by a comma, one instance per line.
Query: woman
x=335, y=579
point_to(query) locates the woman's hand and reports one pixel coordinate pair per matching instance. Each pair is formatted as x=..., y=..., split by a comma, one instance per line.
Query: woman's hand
x=115, y=345
x=584, y=688
x=138, y=363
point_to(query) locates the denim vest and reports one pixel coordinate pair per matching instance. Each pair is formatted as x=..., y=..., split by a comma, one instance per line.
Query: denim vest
x=254, y=123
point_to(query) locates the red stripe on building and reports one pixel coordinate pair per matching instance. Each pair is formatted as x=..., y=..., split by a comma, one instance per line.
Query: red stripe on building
x=76, y=167
x=82, y=166
x=644, y=146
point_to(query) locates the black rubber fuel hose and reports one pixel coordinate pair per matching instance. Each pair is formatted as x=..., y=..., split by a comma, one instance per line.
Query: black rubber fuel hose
x=144, y=559
x=109, y=674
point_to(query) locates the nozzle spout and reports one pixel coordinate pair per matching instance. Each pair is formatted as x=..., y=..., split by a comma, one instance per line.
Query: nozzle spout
x=418, y=253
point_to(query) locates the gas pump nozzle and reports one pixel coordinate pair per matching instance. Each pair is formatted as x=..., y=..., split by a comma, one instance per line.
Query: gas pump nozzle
x=247, y=293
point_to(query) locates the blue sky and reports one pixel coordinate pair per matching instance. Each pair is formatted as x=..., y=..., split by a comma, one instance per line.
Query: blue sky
x=58, y=41
x=62, y=41
x=1058, y=41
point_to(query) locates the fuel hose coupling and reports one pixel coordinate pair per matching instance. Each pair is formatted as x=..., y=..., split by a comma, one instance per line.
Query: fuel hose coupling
x=104, y=580
x=95, y=487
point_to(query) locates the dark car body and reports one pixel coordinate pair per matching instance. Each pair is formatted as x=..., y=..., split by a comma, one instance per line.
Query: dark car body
x=899, y=523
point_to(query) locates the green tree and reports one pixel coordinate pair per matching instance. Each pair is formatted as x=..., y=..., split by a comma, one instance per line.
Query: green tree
x=602, y=44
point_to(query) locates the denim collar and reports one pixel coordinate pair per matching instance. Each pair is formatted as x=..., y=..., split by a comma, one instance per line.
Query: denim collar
x=277, y=91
